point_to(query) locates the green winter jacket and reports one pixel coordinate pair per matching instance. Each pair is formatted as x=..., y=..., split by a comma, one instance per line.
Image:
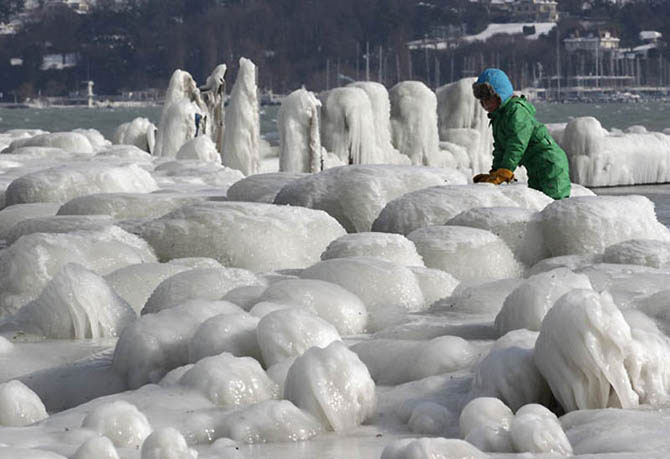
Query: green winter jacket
x=520, y=140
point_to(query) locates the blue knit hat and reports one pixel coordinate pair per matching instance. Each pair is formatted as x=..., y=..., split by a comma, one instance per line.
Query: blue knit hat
x=498, y=81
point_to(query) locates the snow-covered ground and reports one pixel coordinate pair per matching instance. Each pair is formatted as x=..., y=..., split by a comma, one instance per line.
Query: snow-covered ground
x=160, y=307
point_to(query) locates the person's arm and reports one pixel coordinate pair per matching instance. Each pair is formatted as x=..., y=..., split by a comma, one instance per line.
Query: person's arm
x=517, y=132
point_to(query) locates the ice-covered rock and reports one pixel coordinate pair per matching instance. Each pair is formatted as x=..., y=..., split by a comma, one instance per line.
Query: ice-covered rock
x=299, y=133
x=193, y=176
x=466, y=253
x=201, y=148
x=435, y=205
x=198, y=283
x=98, y=447
x=392, y=247
x=243, y=127
x=333, y=385
x=537, y=430
x=167, y=443
x=124, y=153
x=581, y=352
x=233, y=333
x=139, y=132
x=19, y=406
x=119, y=421
x=74, y=142
x=230, y=381
x=430, y=418
x=355, y=195
x=485, y=423
x=62, y=183
x=389, y=291
x=286, y=333
x=75, y=304
x=590, y=224
x=645, y=252
x=261, y=187
x=94, y=136
x=477, y=298
x=520, y=228
x=422, y=448
x=393, y=362
x=434, y=283
x=13, y=215
x=527, y=305
x=255, y=236
x=341, y=308
x=57, y=224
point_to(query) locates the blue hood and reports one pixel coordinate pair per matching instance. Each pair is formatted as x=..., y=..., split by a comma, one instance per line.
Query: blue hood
x=498, y=81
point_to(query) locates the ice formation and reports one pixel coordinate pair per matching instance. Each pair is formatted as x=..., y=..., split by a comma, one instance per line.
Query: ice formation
x=261, y=187
x=286, y=333
x=434, y=283
x=167, y=443
x=98, y=447
x=485, y=423
x=391, y=247
x=119, y=421
x=57, y=224
x=645, y=252
x=200, y=148
x=243, y=129
x=466, y=253
x=355, y=195
x=19, y=406
x=430, y=418
x=299, y=133
x=537, y=430
x=422, y=448
x=255, y=236
x=73, y=142
x=234, y=333
x=333, y=385
x=590, y=224
x=139, y=132
x=17, y=213
x=214, y=96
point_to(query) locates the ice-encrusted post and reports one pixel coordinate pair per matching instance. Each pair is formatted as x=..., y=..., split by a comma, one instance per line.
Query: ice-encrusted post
x=299, y=133
x=243, y=131
x=214, y=95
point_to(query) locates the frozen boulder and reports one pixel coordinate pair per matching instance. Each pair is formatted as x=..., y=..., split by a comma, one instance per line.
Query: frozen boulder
x=13, y=215
x=261, y=187
x=393, y=362
x=485, y=422
x=233, y=333
x=435, y=205
x=167, y=443
x=537, y=430
x=255, y=236
x=230, y=381
x=57, y=224
x=290, y=332
x=430, y=418
x=333, y=385
x=645, y=252
x=19, y=406
x=392, y=247
x=590, y=224
x=74, y=142
x=123, y=153
x=527, y=305
x=62, y=183
x=193, y=176
x=422, y=448
x=477, y=298
x=119, y=421
x=354, y=195
x=99, y=447
x=389, y=291
x=139, y=132
x=201, y=148
x=466, y=253
x=339, y=307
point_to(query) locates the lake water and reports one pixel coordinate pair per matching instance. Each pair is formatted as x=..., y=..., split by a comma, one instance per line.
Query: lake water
x=655, y=116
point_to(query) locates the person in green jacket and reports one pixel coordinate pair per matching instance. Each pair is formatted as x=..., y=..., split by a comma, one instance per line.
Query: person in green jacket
x=519, y=139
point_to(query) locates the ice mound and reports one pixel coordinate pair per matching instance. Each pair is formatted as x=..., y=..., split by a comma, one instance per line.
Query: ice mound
x=466, y=253
x=139, y=132
x=94, y=136
x=354, y=195
x=537, y=430
x=120, y=421
x=430, y=418
x=391, y=247
x=127, y=205
x=57, y=224
x=509, y=373
x=230, y=381
x=423, y=448
x=333, y=385
x=75, y=304
x=201, y=148
x=30, y=262
x=259, y=237
x=485, y=422
x=592, y=223
x=270, y=421
x=198, y=283
x=156, y=343
x=389, y=291
x=123, y=153
x=527, y=305
x=434, y=283
x=261, y=187
x=193, y=175
x=393, y=362
x=167, y=443
x=135, y=283
x=520, y=228
x=601, y=158
x=646, y=252
x=581, y=352
x=96, y=448
x=19, y=406
x=12, y=215
x=476, y=297
x=436, y=205
x=286, y=333
x=341, y=308
x=233, y=333
x=62, y=183
x=5, y=345
x=74, y=142
x=299, y=134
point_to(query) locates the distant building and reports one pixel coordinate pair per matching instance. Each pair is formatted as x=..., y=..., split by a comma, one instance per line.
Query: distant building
x=524, y=10
x=602, y=41
x=59, y=61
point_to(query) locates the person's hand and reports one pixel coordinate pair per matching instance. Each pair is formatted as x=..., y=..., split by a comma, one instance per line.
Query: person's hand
x=499, y=176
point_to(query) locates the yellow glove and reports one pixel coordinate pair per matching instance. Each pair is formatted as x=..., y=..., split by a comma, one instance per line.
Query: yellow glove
x=482, y=177
x=499, y=176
